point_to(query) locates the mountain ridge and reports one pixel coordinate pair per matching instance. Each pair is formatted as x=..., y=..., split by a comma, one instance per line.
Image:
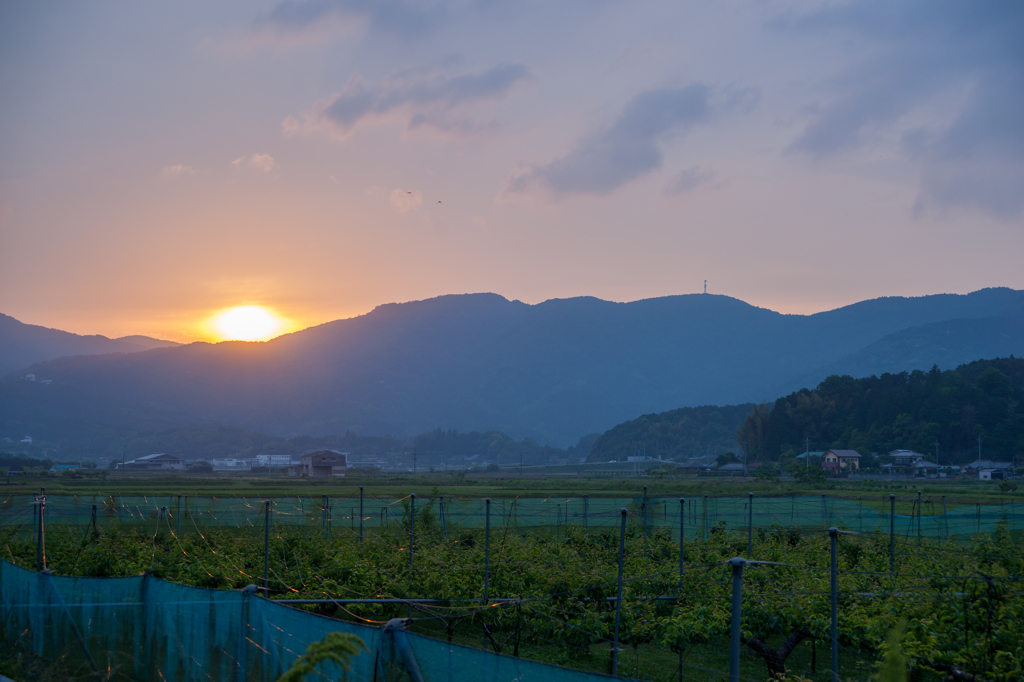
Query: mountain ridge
x=552, y=371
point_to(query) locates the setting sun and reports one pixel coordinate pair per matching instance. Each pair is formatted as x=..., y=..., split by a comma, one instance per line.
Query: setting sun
x=247, y=323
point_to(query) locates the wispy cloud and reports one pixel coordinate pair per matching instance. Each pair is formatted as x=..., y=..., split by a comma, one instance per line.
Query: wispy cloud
x=687, y=180
x=921, y=50
x=263, y=162
x=179, y=169
x=631, y=147
x=403, y=18
x=416, y=98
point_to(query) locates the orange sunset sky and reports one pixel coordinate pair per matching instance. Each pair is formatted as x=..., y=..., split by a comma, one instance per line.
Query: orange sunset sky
x=162, y=163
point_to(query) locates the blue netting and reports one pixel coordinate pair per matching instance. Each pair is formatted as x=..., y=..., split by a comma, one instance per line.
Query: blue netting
x=144, y=628
x=958, y=517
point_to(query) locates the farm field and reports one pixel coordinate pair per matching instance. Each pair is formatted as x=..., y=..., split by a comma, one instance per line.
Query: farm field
x=960, y=598
x=496, y=485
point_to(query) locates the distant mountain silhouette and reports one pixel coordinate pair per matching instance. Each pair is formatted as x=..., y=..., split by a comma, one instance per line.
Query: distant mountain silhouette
x=23, y=344
x=552, y=371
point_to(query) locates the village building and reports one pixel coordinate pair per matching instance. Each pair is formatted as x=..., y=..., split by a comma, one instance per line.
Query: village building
x=841, y=461
x=321, y=464
x=157, y=462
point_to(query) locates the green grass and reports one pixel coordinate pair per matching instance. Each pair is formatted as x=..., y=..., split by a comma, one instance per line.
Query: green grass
x=874, y=493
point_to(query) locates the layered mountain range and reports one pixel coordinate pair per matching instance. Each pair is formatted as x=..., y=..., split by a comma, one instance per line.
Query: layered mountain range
x=553, y=371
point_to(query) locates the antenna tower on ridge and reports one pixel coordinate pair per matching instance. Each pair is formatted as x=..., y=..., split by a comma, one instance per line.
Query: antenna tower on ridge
x=705, y=286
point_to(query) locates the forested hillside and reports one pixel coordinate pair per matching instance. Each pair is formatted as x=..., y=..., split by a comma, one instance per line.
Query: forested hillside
x=907, y=410
x=677, y=434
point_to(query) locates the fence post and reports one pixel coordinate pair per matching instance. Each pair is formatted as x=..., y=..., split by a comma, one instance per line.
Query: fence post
x=892, y=533
x=737, y=564
x=682, y=538
x=360, y=514
x=94, y=518
x=643, y=511
x=919, y=518
x=833, y=534
x=266, y=544
x=945, y=518
x=705, y=517
x=750, y=525
x=444, y=523
x=412, y=539
x=40, y=538
x=586, y=505
x=487, y=550
x=618, y=601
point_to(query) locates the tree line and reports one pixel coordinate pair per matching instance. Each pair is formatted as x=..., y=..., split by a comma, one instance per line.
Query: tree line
x=937, y=413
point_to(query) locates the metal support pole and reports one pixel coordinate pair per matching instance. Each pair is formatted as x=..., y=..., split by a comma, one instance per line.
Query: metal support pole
x=945, y=518
x=737, y=564
x=682, y=538
x=618, y=601
x=40, y=538
x=750, y=526
x=918, y=518
x=444, y=523
x=487, y=550
x=833, y=534
x=266, y=544
x=412, y=540
x=177, y=516
x=586, y=505
x=360, y=514
x=643, y=511
x=892, y=534
x=705, y=517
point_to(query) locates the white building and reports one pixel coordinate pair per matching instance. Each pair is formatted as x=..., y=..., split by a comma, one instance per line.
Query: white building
x=276, y=461
x=155, y=462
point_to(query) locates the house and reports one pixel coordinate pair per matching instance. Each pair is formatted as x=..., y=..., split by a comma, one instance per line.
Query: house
x=804, y=455
x=321, y=464
x=157, y=462
x=56, y=468
x=988, y=470
x=15, y=470
x=838, y=461
x=730, y=469
x=26, y=439
x=904, y=458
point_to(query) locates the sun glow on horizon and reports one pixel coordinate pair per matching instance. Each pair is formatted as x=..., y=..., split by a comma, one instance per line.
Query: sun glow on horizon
x=246, y=323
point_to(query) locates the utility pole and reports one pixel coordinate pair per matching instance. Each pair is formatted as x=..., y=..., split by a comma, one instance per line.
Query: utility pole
x=520, y=464
x=936, y=454
x=807, y=455
x=979, y=447
x=746, y=456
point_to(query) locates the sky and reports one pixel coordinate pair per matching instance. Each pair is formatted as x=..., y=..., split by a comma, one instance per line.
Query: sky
x=162, y=162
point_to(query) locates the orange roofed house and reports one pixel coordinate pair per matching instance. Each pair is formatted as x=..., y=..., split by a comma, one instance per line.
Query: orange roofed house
x=837, y=461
